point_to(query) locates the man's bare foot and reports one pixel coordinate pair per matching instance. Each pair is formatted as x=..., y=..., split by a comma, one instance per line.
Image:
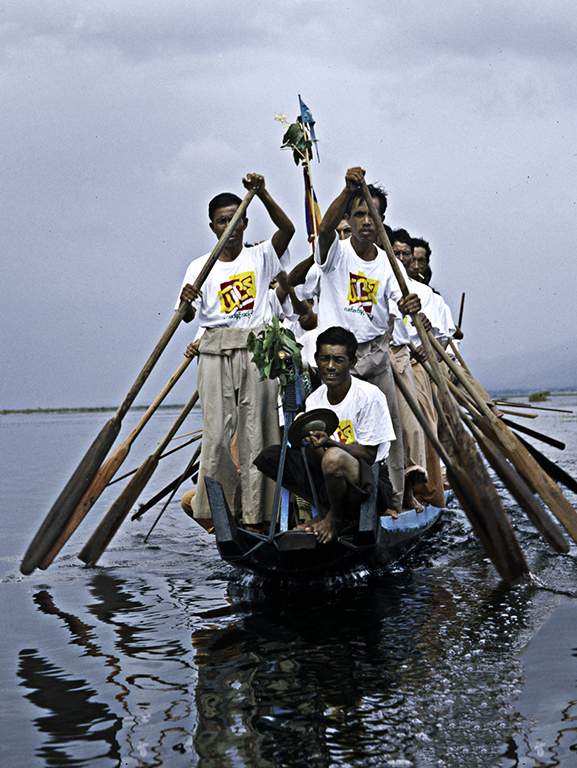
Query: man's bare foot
x=392, y=513
x=325, y=529
x=256, y=527
x=409, y=501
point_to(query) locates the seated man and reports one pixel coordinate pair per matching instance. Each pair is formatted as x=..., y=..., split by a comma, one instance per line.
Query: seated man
x=340, y=464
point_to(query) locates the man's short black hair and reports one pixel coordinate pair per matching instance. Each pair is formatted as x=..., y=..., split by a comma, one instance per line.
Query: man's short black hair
x=222, y=201
x=401, y=236
x=418, y=242
x=342, y=337
x=377, y=192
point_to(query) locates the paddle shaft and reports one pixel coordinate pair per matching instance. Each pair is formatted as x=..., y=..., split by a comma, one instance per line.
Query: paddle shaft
x=164, y=455
x=187, y=472
x=109, y=469
x=517, y=454
x=461, y=309
x=66, y=503
x=470, y=479
x=113, y=519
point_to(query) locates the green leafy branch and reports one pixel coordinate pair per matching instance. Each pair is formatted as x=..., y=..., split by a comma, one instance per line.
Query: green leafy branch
x=296, y=139
x=276, y=353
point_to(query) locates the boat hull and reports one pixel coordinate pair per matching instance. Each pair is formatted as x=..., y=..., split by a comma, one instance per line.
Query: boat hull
x=373, y=542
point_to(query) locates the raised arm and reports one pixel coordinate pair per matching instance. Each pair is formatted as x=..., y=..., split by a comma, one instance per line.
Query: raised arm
x=336, y=211
x=285, y=227
x=284, y=289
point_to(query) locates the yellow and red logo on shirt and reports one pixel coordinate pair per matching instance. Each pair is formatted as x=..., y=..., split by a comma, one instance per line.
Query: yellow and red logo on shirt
x=238, y=293
x=362, y=291
x=345, y=433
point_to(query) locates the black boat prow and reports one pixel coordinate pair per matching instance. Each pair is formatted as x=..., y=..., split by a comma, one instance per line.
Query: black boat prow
x=296, y=555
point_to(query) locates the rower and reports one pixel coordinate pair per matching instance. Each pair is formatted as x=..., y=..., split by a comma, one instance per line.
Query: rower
x=356, y=284
x=431, y=491
x=233, y=302
x=340, y=464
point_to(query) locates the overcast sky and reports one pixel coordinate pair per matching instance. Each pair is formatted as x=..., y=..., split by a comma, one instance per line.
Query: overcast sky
x=121, y=119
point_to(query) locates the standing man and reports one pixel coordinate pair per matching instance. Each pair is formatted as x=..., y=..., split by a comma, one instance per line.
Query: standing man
x=234, y=301
x=356, y=285
x=429, y=491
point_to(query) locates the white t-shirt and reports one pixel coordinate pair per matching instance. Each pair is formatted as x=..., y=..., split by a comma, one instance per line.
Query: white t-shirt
x=236, y=293
x=284, y=311
x=310, y=289
x=354, y=294
x=429, y=307
x=448, y=326
x=363, y=415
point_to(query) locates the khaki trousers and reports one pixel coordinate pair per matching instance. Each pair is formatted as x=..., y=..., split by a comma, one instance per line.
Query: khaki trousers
x=374, y=365
x=430, y=492
x=232, y=396
x=414, y=450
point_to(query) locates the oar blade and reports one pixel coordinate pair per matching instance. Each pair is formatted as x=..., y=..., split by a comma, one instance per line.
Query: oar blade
x=115, y=516
x=479, y=498
x=56, y=520
x=90, y=497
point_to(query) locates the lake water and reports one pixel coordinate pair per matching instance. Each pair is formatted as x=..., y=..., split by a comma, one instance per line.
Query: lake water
x=164, y=656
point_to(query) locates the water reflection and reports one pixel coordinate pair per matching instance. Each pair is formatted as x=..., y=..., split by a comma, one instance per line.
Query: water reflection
x=389, y=671
x=413, y=666
x=76, y=721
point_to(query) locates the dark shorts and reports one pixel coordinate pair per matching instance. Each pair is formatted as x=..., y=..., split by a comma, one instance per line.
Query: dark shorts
x=295, y=478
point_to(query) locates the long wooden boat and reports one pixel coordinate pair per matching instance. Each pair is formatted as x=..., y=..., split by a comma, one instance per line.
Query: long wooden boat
x=374, y=541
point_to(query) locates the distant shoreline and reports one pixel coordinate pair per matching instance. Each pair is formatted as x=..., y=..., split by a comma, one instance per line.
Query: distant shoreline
x=103, y=409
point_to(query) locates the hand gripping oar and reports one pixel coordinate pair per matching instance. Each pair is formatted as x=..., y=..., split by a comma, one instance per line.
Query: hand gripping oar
x=466, y=471
x=516, y=452
x=113, y=519
x=109, y=469
x=64, y=506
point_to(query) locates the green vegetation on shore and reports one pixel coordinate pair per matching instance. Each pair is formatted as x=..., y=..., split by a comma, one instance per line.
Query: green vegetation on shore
x=103, y=409
x=539, y=397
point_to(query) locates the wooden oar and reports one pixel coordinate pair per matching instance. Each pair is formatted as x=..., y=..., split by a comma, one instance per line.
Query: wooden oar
x=461, y=308
x=64, y=506
x=520, y=491
x=467, y=473
x=518, y=488
x=113, y=519
x=164, y=455
x=458, y=354
x=533, y=433
x=187, y=472
x=513, y=404
x=109, y=469
x=143, y=508
x=520, y=414
x=557, y=473
x=516, y=452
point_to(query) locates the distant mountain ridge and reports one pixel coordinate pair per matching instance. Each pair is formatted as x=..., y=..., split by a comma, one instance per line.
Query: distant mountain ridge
x=553, y=369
